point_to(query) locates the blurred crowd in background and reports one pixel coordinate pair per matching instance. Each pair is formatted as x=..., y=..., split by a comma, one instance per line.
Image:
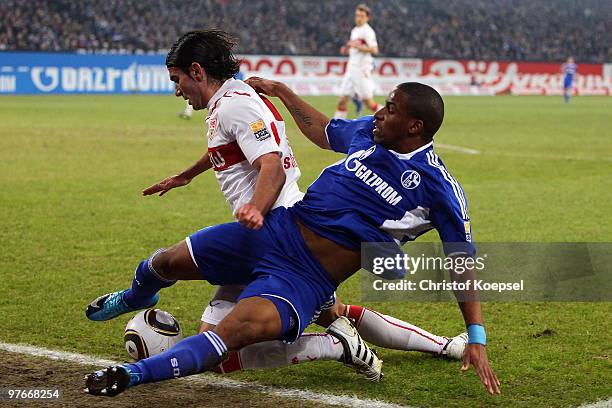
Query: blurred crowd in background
x=530, y=30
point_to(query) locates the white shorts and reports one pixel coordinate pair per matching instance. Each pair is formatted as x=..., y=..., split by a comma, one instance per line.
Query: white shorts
x=216, y=311
x=222, y=303
x=359, y=84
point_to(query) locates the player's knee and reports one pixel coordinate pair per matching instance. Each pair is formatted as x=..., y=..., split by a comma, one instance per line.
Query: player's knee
x=165, y=263
x=175, y=263
x=249, y=324
x=160, y=261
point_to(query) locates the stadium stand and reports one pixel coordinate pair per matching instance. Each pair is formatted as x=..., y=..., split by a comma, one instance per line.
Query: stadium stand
x=469, y=29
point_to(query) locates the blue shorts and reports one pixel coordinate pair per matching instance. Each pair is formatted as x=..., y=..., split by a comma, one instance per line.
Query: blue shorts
x=272, y=262
x=567, y=81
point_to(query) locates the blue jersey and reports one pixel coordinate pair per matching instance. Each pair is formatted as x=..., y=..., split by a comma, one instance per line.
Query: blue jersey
x=569, y=70
x=378, y=195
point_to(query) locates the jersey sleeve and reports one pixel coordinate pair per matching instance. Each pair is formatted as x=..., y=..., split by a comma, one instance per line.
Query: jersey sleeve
x=341, y=132
x=370, y=38
x=244, y=120
x=452, y=222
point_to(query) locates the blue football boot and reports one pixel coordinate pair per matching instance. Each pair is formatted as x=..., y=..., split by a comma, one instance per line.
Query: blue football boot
x=111, y=305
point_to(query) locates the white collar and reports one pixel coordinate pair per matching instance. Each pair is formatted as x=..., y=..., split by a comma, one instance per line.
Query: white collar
x=217, y=95
x=408, y=156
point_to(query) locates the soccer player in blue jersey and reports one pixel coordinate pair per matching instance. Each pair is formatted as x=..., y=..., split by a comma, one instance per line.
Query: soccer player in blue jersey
x=568, y=70
x=391, y=187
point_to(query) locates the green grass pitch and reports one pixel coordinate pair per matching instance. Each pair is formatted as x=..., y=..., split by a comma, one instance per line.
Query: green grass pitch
x=74, y=226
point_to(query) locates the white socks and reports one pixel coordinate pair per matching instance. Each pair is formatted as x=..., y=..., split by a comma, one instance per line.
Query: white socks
x=270, y=354
x=389, y=332
x=376, y=328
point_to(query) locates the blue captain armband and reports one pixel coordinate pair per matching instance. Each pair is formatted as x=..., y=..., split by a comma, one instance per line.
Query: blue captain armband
x=477, y=334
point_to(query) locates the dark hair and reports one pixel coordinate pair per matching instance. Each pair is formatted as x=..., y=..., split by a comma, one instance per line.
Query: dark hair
x=365, y=9
x=212, y=49
x=425, y=103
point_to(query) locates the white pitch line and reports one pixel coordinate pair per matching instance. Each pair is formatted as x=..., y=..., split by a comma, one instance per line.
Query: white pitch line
x=526, y=155
x=598, y=404
x=460, y=149
x=207, y=379
x=544, y=156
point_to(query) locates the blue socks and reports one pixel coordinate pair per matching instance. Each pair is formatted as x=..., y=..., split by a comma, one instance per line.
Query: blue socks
x=147, y=282
x=192, y=355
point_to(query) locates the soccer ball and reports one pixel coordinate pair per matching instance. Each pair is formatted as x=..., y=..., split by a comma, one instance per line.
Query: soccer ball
x=151, y=332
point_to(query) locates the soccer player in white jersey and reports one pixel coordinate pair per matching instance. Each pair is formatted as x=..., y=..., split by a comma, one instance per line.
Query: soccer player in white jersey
x=357, y=79
x=256, y=170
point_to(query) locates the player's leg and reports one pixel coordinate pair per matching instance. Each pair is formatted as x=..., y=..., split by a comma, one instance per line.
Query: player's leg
x=278, y=304
x=253, y=320
x=567, y=88
x=366, y=92
x=346, y=89
x=272, y=354
x=268, y=354
x=159, y=271
x=372, y=104
x=358, y=104
x=341, y=108
x=388, y=332
x=202, y=255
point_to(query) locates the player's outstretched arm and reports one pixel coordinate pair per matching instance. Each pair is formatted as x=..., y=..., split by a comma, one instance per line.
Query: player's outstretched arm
x=475, y=352
x=311, y=122
x=180, y=179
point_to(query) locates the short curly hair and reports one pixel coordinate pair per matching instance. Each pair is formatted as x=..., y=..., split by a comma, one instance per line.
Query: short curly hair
x=424, y=103
x=212, y=49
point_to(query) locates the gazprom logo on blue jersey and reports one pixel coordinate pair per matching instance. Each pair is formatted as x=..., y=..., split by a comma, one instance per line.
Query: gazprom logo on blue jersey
x=353, y=164
x=411, y=179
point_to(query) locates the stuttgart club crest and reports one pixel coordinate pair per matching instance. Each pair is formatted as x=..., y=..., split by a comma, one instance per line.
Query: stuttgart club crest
x=411, y=179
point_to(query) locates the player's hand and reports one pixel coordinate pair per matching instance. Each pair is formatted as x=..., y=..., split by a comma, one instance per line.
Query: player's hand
x=476, y=355
x=264, y=86
x=250, y=216
x=166, y=185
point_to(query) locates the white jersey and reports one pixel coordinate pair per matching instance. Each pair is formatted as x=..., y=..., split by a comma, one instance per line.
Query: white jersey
x=359, y=61
x=242, y=126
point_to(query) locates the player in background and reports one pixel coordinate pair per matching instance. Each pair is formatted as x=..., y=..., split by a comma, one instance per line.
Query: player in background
x=186, y=113
x=245, y=130
x=568, y=69
x=357, y=81
x=314, y=246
